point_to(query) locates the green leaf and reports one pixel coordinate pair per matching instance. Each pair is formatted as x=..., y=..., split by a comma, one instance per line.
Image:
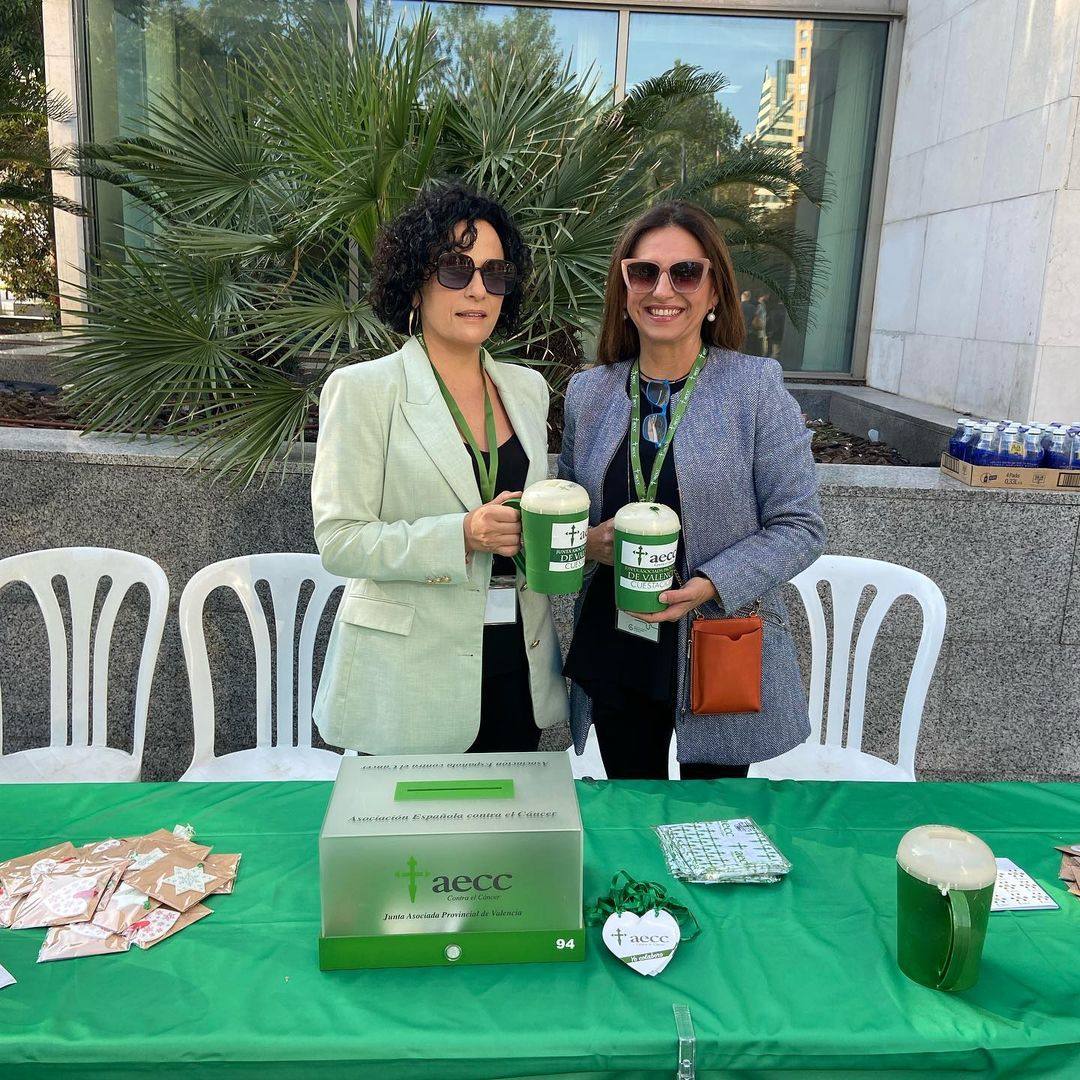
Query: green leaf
x=265, y=184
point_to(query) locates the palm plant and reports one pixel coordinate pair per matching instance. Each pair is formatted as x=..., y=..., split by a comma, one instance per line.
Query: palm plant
x=264, y=189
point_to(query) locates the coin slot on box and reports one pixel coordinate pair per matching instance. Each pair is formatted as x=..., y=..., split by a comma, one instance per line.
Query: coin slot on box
x=454, y=789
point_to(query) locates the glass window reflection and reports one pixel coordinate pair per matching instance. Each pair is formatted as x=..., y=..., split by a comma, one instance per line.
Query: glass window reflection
x=587, y=39
x=824, y=110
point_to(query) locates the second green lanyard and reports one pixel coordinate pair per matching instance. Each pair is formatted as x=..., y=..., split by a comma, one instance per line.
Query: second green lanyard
x=648, y=493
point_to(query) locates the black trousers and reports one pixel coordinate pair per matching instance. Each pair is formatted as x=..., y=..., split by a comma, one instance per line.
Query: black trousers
x=634, y=740
x=507, y=724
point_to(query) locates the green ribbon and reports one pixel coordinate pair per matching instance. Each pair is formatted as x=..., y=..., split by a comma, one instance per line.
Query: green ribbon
x=488, y=470
x=641, y=897
x=648, y=494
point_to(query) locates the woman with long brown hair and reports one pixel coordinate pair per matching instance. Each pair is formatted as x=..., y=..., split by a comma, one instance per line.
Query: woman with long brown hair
x=732, y=460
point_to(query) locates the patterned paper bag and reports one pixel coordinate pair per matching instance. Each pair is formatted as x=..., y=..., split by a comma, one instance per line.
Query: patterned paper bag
x=17, y=876
x=8, y=906
x=80, y=939
x=111, y=850
x=162, y=923
x=125, y=906
x=226, y=866
x=177, y=880
x=70, y=893
x=149, y=849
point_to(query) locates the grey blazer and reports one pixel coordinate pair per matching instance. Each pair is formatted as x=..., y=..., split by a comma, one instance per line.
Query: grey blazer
x=751, y=521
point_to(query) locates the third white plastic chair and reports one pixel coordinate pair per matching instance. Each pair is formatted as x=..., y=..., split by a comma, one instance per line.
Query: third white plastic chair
x=284, y=752
x=828, y=754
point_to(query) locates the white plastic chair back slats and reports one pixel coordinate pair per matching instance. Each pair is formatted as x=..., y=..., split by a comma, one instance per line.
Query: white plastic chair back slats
x=83, y=570
x=829, y=753
x=285, y=575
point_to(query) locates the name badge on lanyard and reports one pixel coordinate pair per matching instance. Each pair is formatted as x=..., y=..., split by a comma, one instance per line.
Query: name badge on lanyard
x=501, y=608
x=639, y=628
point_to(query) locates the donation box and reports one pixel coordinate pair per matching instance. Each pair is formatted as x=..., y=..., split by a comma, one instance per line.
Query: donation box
x=451, y=859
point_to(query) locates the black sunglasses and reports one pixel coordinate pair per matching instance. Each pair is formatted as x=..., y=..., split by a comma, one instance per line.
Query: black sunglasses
x=455, y=270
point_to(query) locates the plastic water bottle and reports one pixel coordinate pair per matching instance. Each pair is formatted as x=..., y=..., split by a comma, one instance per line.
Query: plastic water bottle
x=1033, y=451
x=1010, y=447
x=1058, y=453
x=1049, y=433
x=972, y=438
x=968, y=449
x=983, y=450
x=960, y=436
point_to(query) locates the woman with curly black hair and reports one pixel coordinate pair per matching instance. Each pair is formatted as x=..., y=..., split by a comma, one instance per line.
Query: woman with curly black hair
x=436, y=648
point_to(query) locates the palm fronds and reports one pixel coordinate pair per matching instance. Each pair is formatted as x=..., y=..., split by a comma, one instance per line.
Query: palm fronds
x=265, y=184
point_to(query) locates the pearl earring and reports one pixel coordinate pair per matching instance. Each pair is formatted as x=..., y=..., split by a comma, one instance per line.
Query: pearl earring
x=711, y=316
x=625, y=314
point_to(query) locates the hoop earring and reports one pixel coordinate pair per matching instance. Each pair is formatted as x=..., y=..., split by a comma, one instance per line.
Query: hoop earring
x=412, y=319
x=711, y=316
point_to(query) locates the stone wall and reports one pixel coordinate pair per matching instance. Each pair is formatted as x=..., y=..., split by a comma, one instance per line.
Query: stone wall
x=1004, y=704
x=975, y=306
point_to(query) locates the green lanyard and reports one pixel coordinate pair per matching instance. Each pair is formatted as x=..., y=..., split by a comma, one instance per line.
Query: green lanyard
x=489, y=469
x=649, y=494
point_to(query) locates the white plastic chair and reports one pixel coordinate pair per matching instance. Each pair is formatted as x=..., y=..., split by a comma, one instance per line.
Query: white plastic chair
x=285, y=753
x=85, y=756
x=588, y=762
x=833, y=757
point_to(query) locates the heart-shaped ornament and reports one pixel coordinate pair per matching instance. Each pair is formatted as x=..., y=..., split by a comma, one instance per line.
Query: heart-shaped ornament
x=646, y=942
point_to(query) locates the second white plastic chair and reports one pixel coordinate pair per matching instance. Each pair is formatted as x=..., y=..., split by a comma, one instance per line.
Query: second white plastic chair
x=829, y=754
x=284, y=753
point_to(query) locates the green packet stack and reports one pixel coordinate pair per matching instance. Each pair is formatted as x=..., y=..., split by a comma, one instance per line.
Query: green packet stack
x=721, y=852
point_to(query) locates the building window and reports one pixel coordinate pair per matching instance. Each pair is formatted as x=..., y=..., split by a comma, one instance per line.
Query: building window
x=588, y=38
x=138, y=49
x=836, y=131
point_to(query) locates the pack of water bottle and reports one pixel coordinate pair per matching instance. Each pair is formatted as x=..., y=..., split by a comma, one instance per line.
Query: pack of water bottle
x=1002, y=443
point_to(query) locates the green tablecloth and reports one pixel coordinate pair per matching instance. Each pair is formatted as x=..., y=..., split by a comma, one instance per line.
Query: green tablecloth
x=788, y=977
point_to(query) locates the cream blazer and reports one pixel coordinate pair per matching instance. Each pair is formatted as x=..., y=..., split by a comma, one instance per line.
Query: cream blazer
x=393, y=481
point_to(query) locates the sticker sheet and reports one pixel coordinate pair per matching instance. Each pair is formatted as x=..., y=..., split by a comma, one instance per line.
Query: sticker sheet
x=719, y=852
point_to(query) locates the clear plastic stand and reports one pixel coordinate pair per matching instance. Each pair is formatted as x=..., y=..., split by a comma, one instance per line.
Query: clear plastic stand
x=684, y=1026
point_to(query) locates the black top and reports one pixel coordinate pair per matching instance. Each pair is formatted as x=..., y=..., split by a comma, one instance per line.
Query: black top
x=504, y=646
x=609, y=664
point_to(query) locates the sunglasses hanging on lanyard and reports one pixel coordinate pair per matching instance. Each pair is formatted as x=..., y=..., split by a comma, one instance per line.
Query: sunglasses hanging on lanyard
x=647, y=492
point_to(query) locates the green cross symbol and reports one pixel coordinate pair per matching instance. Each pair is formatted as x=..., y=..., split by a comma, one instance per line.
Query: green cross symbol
x=412, y=874
x=640, y=553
